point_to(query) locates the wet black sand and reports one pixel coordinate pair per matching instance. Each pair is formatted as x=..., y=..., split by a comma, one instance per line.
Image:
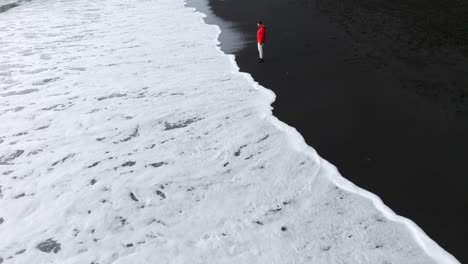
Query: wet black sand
x=378, y=88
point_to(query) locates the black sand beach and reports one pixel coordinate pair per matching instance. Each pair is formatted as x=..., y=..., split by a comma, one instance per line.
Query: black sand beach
x=378, y=88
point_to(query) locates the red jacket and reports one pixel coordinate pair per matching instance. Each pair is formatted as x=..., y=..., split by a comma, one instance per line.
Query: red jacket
x=261, y=34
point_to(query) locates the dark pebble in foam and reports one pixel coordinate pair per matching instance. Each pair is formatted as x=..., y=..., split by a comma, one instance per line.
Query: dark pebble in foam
x=20, y=252
x=163, y=196
x=133, y=197
x=158, y=164
x=151, y=147
x=20, y=195
x=283, y=228
x=238, y=152
x=275, y=210
x=123, y=221
x=48, y=246
x=128, y=164
x=42, y=127
x=325, y=248
x=264, y=138
x=94, y=164
x=20, y=134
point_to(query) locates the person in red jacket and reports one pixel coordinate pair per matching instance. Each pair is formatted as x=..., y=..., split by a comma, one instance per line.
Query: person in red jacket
x=260, y=40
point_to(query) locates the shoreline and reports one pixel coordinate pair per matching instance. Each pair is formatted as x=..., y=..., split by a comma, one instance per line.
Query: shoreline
x=187, y=162
x=407, y=205
x=429, y=246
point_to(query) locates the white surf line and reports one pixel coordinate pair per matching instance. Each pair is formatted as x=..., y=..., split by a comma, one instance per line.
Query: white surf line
x=297, y=141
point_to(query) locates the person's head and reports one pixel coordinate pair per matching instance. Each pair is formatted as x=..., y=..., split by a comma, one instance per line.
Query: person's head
x=259, y=23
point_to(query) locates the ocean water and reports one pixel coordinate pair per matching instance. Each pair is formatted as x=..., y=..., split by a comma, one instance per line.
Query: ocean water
x=128, y=136
x=231, y=37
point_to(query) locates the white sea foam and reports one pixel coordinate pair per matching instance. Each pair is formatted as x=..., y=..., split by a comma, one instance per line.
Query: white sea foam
x=127, y=136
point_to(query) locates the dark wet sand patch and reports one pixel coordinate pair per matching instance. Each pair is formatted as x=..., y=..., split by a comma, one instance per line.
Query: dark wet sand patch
x=63, y=159
x=4, y=8
x=114, y=95
x=16, y=109
x=13, y=93
x=180, y=124
x=46, y=81
x=5, y=160
x=135, y=133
